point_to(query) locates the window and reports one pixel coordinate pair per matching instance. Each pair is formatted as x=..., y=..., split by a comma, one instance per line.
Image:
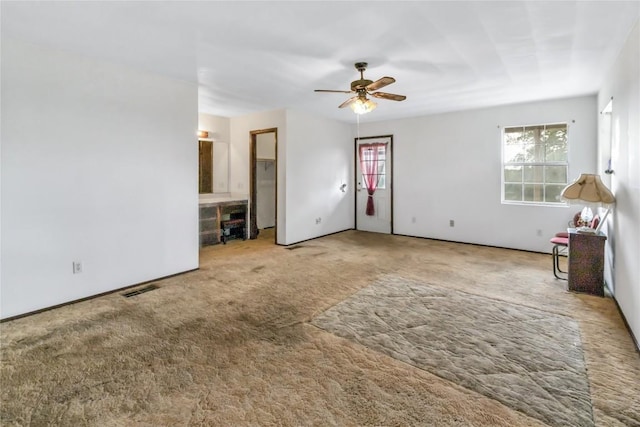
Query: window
x=534, y=163
x=376, y=164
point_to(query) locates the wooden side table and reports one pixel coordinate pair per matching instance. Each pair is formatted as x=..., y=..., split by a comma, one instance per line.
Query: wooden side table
x=586, y=262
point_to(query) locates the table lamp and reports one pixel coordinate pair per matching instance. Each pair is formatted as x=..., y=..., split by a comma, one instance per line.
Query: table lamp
x=588, y=188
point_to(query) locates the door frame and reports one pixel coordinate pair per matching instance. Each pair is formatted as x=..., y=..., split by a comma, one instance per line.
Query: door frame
x=355, y=175
x=253, y=185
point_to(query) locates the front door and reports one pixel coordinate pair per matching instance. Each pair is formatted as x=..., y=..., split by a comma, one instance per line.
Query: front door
x=374, y=184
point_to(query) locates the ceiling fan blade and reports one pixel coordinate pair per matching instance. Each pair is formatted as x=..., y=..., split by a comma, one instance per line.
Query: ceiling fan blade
x=380, y=83
x=333, y=91
x=348, y=102
x=390, y=96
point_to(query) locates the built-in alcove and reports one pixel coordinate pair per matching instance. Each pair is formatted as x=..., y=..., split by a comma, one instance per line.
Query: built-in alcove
x=222, y=220
x=222, y=212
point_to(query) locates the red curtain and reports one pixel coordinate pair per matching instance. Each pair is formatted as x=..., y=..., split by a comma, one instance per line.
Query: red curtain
x=369, y=167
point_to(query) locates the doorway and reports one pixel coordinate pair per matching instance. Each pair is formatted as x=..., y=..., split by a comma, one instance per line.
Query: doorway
x=263, y=182
x=609, y=154
x=374, y=184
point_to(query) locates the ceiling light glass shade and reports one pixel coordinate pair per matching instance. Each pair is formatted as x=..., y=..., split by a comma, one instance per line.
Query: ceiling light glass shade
x=588, y=188
x=363, y=106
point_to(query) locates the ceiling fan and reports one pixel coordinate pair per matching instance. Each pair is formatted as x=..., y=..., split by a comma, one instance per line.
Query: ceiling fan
x=359, y=103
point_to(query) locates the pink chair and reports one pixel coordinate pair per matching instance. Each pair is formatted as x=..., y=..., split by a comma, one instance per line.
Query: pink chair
x=560, y=244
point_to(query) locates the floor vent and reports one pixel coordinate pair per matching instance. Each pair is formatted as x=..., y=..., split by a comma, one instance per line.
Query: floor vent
x=139, y=291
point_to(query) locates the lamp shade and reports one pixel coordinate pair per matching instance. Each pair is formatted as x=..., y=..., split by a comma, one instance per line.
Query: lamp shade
x=363, y=105
x=588, y=188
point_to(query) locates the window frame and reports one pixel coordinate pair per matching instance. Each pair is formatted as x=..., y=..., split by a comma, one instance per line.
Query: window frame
x=504, y=164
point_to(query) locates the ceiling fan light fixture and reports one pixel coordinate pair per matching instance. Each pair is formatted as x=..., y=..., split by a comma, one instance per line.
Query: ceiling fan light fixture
x=359, y=103
x=363, y=106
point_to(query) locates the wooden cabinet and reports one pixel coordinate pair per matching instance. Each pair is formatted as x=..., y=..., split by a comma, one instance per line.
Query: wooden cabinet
x=209, y=225
x=222, y=221
x=586, y=262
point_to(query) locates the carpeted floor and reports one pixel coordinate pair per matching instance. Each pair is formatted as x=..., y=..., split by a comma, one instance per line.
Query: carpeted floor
x=528, y=359
x=239, y=343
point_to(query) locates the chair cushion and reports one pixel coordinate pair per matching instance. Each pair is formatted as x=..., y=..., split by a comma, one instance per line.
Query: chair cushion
x=564, y=241
x=563, y=234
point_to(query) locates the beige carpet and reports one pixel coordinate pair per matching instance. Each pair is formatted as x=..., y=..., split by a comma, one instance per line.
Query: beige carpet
x=530, y=360
x=233, y=343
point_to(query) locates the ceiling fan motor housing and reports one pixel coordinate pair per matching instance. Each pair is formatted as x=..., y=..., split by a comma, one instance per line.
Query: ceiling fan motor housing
x=360, y=84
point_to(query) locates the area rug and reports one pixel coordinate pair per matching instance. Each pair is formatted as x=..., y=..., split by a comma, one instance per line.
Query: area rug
x=528, y=359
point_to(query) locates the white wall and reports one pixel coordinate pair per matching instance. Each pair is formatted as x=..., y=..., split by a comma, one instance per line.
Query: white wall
x=448, y=166
x=319, y=160
x=219, y=128
x=623, y=85
x=99, y=165
x=315, y=155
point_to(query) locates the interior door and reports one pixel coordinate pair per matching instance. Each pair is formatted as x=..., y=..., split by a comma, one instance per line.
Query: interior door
x=373, y=171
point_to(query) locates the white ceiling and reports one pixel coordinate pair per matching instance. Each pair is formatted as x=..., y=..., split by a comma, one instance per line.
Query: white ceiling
x=256, y=56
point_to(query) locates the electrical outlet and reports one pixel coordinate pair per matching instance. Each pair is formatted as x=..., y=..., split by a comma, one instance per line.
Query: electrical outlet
x=452, y=223
x=413, y=219
x=77, y=267
x=539, y=232
x=318, y=220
